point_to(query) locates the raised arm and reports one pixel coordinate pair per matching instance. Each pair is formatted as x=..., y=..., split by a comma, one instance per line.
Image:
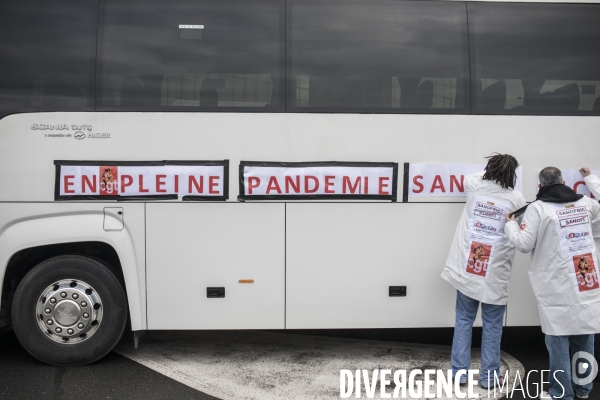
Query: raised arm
x=524, y=237
x=591, y=181
x=595, y=217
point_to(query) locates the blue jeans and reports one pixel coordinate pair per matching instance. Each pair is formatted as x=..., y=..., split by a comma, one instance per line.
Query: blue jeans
x=560, y=350
x=492, y=316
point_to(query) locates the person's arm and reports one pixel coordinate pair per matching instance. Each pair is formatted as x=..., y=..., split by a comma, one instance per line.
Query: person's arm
x=595, y=220
x=591, y=181
x=524, y=237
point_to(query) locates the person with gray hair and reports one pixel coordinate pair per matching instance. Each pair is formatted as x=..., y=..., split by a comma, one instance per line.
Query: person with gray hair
x=550, y=176
x=558, y=228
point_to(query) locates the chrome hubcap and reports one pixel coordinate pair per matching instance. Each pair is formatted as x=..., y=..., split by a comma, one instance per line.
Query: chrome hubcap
x=69, y=311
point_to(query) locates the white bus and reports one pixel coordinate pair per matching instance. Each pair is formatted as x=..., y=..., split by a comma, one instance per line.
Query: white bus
x=134, y=135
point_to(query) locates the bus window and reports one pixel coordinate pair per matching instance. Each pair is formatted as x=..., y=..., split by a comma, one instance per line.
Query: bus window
x=377, y=56
x=47, y=52
x=535, y=58
x=209, y=55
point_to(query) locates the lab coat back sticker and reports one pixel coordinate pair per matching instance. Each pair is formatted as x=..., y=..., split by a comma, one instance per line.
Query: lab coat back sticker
x=585, y=271
x=109, y=178
x=574, y=230
x=479, y=258
x=486, y=222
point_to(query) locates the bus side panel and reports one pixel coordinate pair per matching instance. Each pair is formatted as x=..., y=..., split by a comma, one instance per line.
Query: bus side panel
x=192, y=246
x=342, y=258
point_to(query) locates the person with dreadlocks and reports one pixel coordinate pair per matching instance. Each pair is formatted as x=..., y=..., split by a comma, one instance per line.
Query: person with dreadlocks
x=558, y=228
x=479, y=265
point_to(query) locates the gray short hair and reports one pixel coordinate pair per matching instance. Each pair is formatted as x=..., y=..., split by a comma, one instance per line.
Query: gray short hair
x=550, y=176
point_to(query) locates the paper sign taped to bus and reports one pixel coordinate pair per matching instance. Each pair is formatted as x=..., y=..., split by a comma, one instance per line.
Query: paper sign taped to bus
x=444, y=180
x=574, y=179
x=318, y=180
x=193, y=180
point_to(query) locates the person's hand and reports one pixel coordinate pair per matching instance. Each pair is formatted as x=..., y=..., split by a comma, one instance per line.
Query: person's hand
x=585, y=171
x=510, y=217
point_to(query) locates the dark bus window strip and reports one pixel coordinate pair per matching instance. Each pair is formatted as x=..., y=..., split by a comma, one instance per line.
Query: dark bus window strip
x=390, y=56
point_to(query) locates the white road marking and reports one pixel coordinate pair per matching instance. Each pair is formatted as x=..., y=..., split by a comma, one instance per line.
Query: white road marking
x=257, y=365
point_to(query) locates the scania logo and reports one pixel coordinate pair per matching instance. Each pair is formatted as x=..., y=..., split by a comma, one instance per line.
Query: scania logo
x=79, y=135
x=65, y=313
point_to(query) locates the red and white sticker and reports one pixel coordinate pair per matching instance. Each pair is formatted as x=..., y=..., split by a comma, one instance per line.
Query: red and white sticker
x=479, y=257
x=585, y=272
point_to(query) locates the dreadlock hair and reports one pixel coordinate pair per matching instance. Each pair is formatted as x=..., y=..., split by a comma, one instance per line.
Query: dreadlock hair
x=501, y=168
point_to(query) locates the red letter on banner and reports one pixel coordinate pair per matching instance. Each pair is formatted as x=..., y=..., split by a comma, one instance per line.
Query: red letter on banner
x=382, y=185
x=417, y=183
x=126, y=180
x=212, y=184
x=315, y=180
x=199, y=186
x=346, y=181
x=328, y=183
x=460, y=186
x=142, y=190
x=86, y=181
x=160, y=183
x=254, y=179
x=366, y=179
x=581, y=183
x=437, y=184
x=273, y=185
x=67, y=183
x=289, y=182
x=176, y=183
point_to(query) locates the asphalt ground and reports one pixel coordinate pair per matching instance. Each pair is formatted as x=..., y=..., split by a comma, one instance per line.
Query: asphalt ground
x=526, y=344
x=116, y=377
x=113, y=377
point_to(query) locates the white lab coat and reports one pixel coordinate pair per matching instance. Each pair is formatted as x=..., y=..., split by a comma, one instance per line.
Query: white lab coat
x=560, y=237
x=593, y=184
x=483, y=274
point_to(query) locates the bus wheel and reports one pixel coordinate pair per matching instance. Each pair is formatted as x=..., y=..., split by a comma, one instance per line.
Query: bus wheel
x=69, y=310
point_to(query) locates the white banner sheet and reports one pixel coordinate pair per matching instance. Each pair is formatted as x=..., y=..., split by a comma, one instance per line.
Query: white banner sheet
x=293, y=180
x=444, y=180
x=574, y=179
x=98, y=181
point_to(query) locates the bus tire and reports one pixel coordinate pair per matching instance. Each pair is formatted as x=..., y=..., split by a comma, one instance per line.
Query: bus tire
x=69, y=310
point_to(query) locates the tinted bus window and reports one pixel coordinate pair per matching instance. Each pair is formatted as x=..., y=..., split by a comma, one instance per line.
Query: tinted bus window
x=377, y=56
x=191, y=55
x=47, y=51
x=535, y=58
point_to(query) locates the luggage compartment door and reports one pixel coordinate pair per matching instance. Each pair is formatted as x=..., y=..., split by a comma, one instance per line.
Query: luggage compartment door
x=197, y=254
x=342, y=259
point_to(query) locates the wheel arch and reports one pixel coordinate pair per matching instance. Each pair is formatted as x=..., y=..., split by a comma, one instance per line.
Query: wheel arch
x=25, y=244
